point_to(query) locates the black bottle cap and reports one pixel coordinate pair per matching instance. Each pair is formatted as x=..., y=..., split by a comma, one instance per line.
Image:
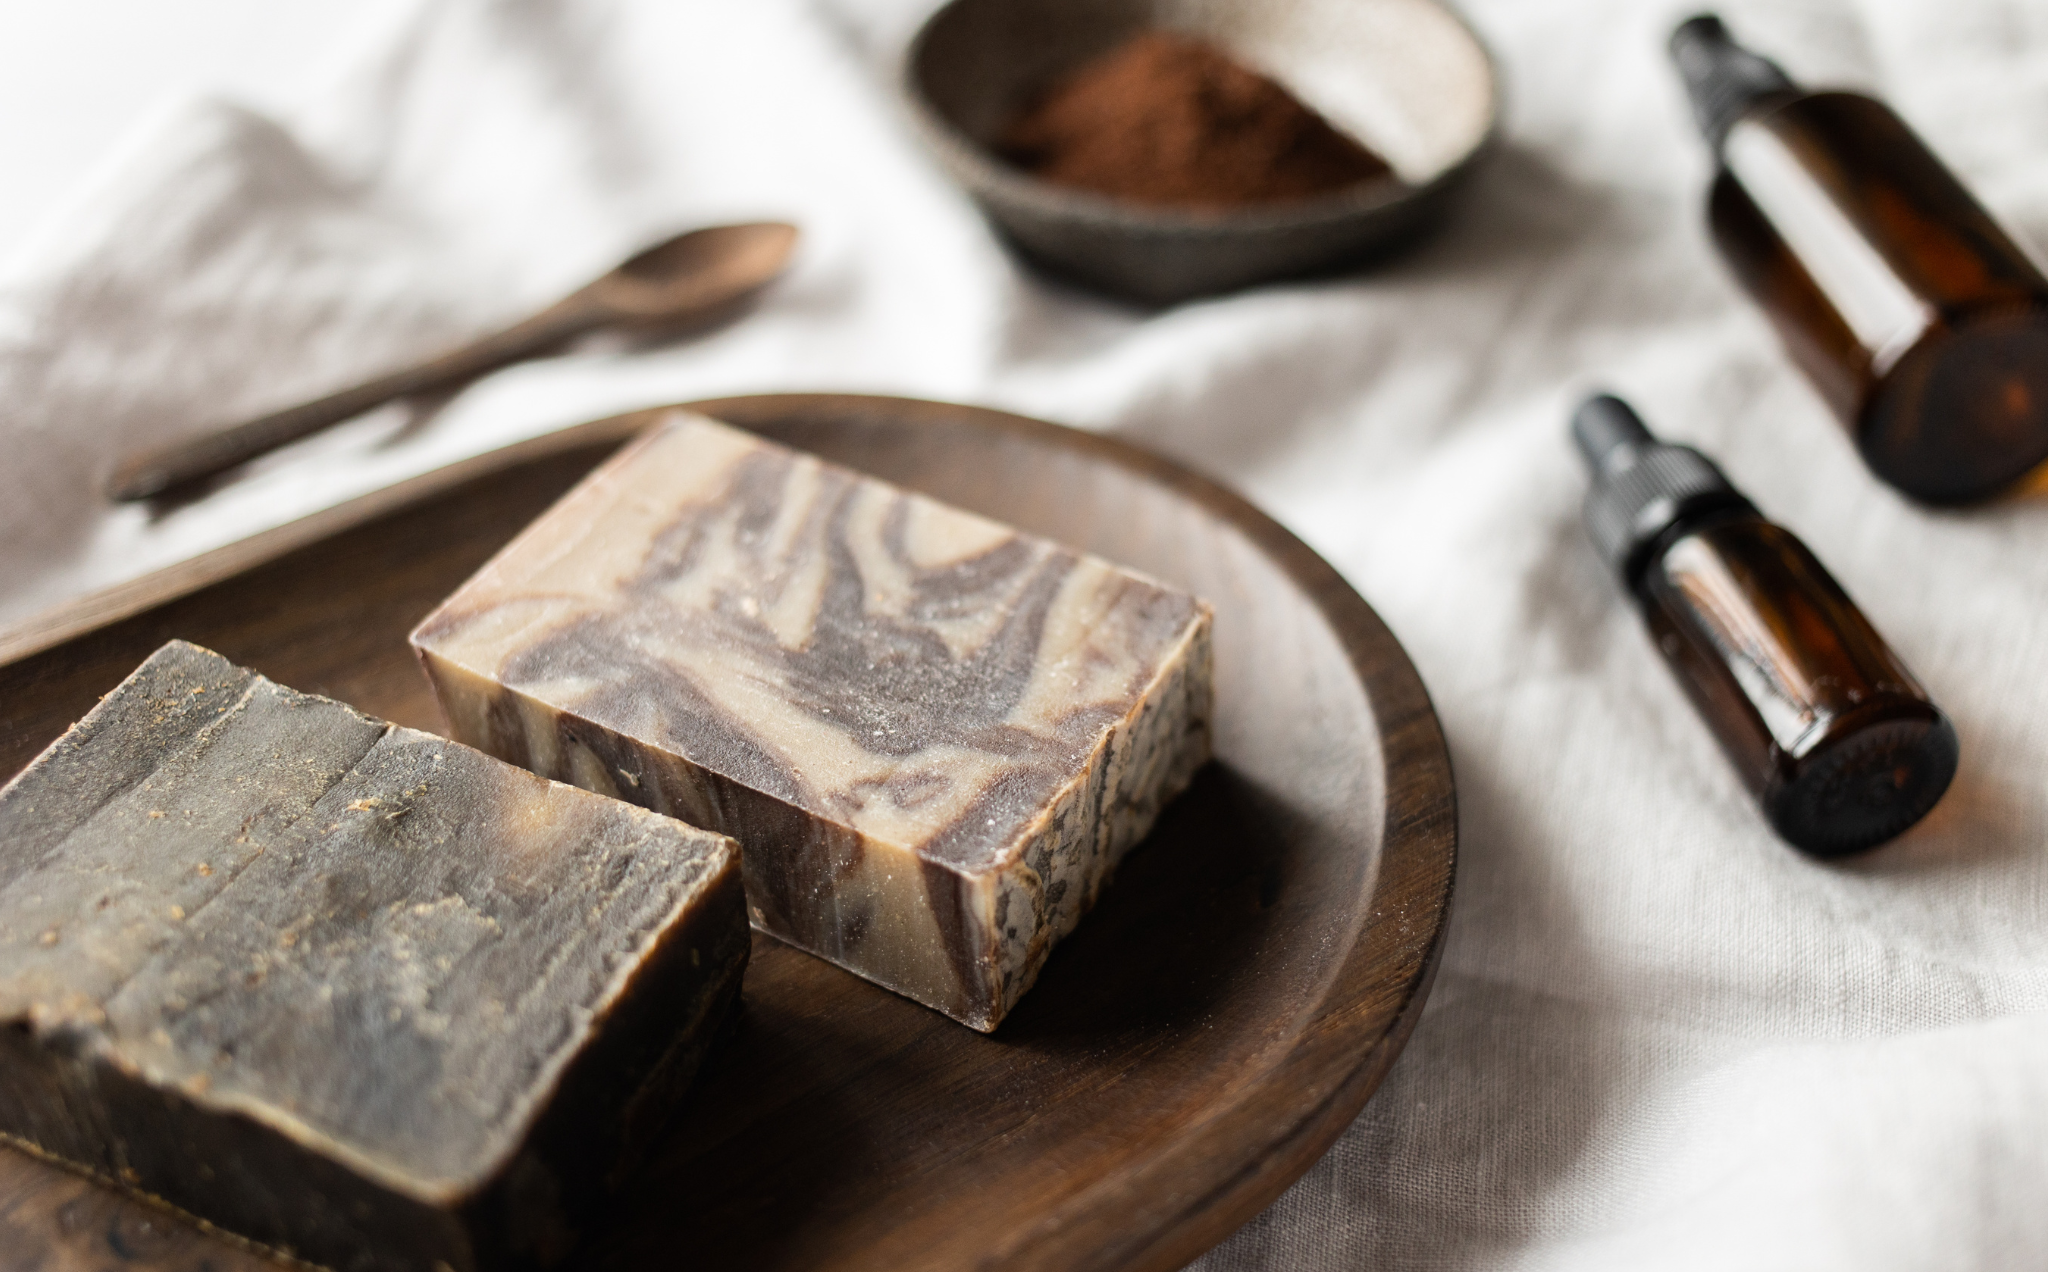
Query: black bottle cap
x=1868, y=784
x=1642, y=487
x=1723, y=79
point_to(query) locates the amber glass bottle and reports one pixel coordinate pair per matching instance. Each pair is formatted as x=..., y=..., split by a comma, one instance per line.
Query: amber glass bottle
x=1835, y=737
x=1920, y=321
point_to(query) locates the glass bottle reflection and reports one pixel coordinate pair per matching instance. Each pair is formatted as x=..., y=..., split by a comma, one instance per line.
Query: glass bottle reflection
x=1920, y=320
x=1835, y=737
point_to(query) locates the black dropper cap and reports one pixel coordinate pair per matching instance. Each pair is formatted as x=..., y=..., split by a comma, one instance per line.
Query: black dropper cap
x=1642, y=488
x=1723, y=79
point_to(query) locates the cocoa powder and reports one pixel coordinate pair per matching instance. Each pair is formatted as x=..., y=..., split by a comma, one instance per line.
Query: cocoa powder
x=1164, y=118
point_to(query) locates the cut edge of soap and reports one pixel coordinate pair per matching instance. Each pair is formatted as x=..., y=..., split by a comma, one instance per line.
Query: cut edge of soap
x=1192, y=657
x=227, y=1236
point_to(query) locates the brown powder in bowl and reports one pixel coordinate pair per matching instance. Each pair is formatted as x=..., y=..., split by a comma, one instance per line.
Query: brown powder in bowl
x=1168, y=119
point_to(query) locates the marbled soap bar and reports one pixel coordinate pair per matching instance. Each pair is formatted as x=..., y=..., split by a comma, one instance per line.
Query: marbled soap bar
x=932, y=735
x=347, y=989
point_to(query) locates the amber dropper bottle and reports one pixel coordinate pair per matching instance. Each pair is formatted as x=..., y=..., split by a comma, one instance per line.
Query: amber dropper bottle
x=1835, y=737
x=1921, y=322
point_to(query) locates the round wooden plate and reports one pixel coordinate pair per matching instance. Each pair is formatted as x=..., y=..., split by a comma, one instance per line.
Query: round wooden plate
x=1188, y=1052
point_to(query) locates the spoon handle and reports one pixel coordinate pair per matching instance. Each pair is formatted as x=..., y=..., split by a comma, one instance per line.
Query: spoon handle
x=152, y=472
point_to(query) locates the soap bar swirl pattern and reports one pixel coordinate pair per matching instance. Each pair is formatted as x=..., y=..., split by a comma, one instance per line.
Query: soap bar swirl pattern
x=932, y=734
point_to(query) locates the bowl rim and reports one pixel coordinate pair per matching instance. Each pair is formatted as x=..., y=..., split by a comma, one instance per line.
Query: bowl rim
x=981, y=171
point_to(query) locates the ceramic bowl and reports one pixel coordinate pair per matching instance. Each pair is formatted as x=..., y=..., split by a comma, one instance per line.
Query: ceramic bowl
x=1408, y=78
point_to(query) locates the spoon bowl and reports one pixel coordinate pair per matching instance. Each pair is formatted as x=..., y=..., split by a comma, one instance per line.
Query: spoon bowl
x=678, y=277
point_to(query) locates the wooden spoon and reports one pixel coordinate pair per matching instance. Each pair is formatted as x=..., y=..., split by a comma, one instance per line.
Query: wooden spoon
x=670, y=284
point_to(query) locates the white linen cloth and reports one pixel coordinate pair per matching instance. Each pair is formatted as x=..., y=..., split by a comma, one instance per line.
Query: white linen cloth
x=1659, y=1037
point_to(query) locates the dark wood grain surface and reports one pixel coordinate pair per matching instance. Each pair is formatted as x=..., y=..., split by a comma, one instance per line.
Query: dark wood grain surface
x=1201, y=1039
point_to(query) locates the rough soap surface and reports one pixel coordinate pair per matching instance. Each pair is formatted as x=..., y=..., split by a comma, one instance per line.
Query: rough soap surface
x=933, y=736
x=344, y=988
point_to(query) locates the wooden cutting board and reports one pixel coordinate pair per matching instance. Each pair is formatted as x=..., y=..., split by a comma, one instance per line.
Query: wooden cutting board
x=1188, y=1052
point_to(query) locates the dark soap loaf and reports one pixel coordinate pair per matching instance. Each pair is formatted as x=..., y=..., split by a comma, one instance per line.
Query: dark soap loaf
x=350, y=990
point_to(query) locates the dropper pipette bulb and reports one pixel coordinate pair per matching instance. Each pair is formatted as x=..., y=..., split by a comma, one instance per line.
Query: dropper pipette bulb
x=1608, y=432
